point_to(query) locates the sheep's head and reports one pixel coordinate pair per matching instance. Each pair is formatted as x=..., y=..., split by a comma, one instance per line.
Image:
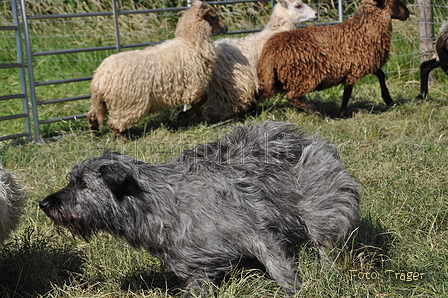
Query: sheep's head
x=199, y=20
x=298, y=11
x=208, y=13
x=399, y=10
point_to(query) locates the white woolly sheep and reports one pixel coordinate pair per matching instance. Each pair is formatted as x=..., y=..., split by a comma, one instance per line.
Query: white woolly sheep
x=317, y=58
x=12, y=197
x=132, y=84
x=441, y=60
x=234, y=84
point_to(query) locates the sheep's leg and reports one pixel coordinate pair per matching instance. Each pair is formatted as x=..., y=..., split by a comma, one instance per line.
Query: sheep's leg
x=113, y=126
x=195, y=109
x=92, y=118
x=303, y=103
x=425, y=68
x=347, y=94
x=384, y=91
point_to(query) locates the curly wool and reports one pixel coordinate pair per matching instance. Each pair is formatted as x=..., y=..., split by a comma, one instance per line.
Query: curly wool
x=12, y=197
x=132, y=84
x=235, y=82
x=317, y=58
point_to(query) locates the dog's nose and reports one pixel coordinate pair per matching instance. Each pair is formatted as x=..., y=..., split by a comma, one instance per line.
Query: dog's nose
x=44, y=204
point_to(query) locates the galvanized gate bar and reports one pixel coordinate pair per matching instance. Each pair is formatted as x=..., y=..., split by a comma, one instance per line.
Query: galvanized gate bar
x=69, y=15
x=11, y=65
x=17, y=116
x=62, y=81
x=26, y=35
x=57, y=100
x=58, y=119
x=116, y=26
x=12, y=96
x=71, y=51
x=20, y=65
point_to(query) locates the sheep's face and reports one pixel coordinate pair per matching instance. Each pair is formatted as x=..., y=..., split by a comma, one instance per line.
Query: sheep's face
x=399, y=9
x=298, y=11
x=218, y=26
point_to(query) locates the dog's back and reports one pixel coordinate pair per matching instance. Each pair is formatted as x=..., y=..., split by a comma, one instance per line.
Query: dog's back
x=325, y=196
x=267, y=142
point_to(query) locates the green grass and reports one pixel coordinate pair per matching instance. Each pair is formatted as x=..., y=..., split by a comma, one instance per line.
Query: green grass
x=399, y=155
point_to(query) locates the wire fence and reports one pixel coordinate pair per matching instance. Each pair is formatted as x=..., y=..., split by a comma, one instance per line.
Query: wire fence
x=50, y=49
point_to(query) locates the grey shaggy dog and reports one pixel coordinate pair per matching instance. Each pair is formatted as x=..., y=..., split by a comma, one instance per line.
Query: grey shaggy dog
x=245, y=197
x=12, y=198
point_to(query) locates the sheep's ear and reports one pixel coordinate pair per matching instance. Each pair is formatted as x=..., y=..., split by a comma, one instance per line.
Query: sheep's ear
x=119, y=180
x=203, y=9
x=380, y=3
x=195, y=3
x=283, y=3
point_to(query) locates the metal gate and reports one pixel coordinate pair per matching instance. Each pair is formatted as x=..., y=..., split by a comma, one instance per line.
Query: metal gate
x=20, y=65
x=31, y=54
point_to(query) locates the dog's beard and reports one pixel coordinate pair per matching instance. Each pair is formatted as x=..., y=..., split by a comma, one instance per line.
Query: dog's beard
x=76, y=225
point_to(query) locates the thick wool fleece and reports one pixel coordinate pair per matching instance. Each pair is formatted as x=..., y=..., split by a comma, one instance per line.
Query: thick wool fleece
x=234, y=83
x=316, y=58
x=131, y=84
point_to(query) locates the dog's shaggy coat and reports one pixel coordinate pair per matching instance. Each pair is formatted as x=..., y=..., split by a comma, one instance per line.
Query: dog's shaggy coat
x=132, y=84
x=235, y=83
x=12, y=197
x=441, y=60
x=320, y=57
x=245, y=197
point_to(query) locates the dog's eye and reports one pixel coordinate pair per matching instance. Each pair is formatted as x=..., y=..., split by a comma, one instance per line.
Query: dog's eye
x=82, y=184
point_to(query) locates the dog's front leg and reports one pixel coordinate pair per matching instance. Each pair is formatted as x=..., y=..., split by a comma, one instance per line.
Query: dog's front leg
x=197, y=286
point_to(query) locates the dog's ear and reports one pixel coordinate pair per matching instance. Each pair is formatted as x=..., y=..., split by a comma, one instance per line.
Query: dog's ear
x=120, y=180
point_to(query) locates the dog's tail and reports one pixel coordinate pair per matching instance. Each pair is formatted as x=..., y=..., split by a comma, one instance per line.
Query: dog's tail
x=330, y=205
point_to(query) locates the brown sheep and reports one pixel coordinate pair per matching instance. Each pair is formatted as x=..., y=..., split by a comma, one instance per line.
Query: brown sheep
x=316, y=58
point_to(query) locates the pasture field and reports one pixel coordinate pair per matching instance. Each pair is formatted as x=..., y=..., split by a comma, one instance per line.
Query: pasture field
x=399, y=155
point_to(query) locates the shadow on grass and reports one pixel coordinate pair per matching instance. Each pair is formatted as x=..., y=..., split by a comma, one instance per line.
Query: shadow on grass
x=166, y=119
x=30, y=266
x=371, y=246
x=162, y=279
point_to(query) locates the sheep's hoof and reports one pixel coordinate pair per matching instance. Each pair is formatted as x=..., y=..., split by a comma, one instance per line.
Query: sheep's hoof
x=95, y=132
x=119, y=134
x=342, y=115
x=184, y=115
x=189, y=113
x=390, y=103
x=420, y=97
